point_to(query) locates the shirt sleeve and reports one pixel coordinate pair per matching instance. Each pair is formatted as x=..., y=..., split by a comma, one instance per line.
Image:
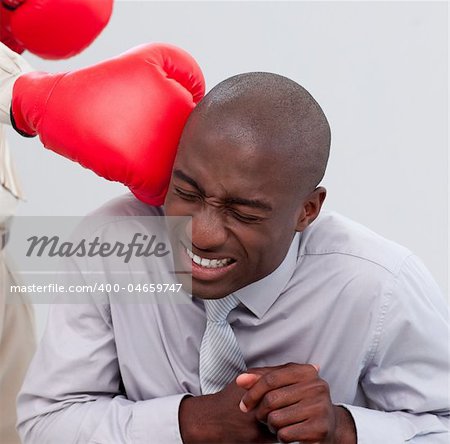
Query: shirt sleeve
x=72, y=389
x=406, y=381
x=10, y=190
x=12, y=66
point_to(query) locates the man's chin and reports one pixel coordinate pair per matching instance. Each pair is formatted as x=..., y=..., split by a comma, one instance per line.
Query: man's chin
x=199, y=289
x=206, y=289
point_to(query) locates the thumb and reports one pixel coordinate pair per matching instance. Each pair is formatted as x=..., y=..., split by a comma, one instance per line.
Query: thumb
x=247, y=380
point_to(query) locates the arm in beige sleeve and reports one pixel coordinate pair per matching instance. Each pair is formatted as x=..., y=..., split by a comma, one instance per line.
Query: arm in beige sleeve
x=12, y=66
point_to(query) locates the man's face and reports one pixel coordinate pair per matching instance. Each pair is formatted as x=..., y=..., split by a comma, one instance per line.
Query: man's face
x=243, y=213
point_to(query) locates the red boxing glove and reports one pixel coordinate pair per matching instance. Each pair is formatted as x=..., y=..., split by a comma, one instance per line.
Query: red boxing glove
x=121, y=118
x=12, y=4
x=6, y=36
x=52, y=29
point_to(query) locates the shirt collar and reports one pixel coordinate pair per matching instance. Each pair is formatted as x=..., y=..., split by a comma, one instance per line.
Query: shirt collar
x=259, y=296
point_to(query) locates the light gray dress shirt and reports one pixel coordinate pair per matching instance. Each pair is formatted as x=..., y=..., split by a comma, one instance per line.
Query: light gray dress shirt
x=364, y=308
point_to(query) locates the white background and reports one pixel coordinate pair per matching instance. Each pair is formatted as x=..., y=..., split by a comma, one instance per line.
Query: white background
x=378, y=69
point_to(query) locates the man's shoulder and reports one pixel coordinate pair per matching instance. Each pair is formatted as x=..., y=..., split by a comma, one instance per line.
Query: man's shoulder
x=334, y=234
x=126, y=205
x=119, y=215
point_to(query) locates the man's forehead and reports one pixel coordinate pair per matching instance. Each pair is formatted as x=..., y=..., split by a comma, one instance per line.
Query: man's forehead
x=234, y=150
x=230, y=147
x=230, y=137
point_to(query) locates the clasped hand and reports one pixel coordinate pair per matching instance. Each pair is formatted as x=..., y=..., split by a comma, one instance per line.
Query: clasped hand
x=286, y=403
x=293, y=401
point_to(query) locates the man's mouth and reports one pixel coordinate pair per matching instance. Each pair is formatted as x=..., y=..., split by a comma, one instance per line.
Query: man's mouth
x=209, y=263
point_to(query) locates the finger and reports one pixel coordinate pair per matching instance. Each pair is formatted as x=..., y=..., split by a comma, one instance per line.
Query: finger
x=284, y=417
x=310, y=398
x=279, y=399
x=287, y=375
x=313, y=412
x=247, y=380
x=265, y=370
x=307, y=432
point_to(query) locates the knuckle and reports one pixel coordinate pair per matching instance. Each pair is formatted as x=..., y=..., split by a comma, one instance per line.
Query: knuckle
x=321, y=390
x=296, y=369
x=322, y=429
x=322, y=387
x=324, y=384
x=312, y=372
x=321, y=411
x=270, y=400
x=274, y=420
x=270, y=380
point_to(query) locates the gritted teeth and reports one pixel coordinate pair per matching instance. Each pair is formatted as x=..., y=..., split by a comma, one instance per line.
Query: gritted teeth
x=208, y=263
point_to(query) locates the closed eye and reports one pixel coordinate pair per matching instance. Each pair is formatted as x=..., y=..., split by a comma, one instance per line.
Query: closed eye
x=185, y=195
x=244, y=218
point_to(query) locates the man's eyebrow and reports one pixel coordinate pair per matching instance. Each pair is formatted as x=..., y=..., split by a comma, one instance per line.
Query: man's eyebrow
x=254, y=203
x=186, y=178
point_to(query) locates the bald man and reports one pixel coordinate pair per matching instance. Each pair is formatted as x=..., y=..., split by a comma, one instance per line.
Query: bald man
x=332, y=333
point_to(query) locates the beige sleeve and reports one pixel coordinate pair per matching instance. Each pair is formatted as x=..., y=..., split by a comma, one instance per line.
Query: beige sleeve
x=8, y=177
x=12, y=66
x=17, y=346
x=17, y=335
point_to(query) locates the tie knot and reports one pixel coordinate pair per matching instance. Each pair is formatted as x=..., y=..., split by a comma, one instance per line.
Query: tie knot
x=217, y=310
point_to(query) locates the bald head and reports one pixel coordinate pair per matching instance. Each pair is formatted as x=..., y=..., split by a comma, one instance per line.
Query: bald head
x=274, y=114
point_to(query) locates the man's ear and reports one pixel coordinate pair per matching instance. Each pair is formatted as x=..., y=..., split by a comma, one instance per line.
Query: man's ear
x=311, y=208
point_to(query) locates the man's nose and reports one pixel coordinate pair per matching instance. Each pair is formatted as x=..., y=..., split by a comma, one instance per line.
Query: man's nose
x=206, y=229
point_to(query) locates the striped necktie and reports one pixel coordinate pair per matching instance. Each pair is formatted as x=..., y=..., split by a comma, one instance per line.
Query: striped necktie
x=221, y=359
